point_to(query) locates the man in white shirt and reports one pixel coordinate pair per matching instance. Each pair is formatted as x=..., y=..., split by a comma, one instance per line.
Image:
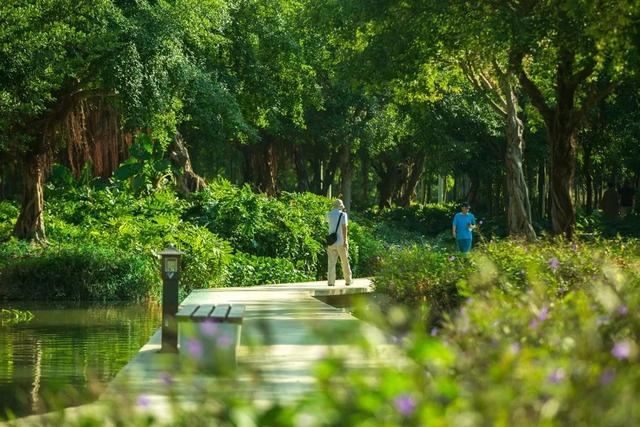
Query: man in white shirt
x=341, y=247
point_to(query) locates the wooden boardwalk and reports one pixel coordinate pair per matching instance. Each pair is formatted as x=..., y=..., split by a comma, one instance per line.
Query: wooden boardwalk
x=286, y=331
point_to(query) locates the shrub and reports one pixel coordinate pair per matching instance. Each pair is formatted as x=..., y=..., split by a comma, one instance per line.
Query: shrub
x=8, y=214
x=111, y=221
x=290, y=227
x=429, y=219
x=251, y=270
x=599, y=225
x=419, y=275
x=70, y=272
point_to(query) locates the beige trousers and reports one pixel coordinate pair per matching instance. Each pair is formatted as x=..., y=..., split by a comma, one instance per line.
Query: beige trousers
x=333, y=252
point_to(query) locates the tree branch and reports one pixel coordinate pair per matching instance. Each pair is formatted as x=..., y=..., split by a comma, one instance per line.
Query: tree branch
x=472, y=76
x=534, y=92
x=584, y=73
x=591, y=100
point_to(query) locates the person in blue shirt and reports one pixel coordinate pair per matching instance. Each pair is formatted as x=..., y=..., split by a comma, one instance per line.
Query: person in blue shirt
x=463, y=224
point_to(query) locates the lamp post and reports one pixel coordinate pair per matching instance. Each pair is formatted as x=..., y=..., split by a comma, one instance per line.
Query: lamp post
x=170, y=270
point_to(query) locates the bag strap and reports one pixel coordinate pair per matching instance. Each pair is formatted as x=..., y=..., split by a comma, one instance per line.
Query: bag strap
x=338, y=224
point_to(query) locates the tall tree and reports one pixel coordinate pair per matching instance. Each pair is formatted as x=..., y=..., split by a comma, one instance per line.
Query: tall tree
x=568, y=55
x=60, y=54
x=51, y=53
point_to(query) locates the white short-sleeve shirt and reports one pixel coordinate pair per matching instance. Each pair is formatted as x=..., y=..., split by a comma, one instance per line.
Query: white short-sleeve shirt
x=332, y=219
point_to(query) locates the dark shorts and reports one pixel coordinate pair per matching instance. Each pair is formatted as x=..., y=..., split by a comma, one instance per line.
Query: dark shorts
x=464, y=245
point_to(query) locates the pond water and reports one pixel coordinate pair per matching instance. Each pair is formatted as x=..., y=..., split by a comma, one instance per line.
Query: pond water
x=67, y=354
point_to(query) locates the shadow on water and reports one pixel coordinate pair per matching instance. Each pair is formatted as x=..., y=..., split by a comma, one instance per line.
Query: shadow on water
x=67, y=353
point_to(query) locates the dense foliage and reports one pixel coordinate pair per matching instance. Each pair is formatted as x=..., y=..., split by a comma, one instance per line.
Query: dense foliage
x=232, y=236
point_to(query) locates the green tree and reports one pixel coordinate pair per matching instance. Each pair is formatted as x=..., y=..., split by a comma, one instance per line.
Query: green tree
x=51, y=54
x=568, y=55
x=60, y=54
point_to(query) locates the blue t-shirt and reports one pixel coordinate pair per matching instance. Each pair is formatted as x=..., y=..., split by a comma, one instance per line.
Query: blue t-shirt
x=462, y=223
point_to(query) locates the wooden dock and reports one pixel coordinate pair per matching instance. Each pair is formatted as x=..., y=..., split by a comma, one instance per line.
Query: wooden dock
x=285, y=333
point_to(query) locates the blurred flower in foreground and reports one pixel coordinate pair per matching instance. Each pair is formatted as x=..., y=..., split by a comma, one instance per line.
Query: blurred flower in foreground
x=554, y=263
x=543, y=315
x=194, y=347
x=224, y=341
x=208, y=327
x=608, y=375
x=623, y=310
x=166, y=378
x=434, y=331
x=515, y=348
x=621, y=350
x=405, y=404
x=557, y=376
x=144, y=401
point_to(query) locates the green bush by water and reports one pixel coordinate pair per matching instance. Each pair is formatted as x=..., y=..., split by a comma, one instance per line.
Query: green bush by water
x=69, y=272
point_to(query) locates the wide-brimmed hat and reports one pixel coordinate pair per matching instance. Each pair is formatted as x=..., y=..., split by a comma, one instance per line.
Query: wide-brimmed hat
x=337, y=204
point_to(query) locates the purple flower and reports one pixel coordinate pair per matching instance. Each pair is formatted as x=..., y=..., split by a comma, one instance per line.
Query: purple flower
x=554, y=263
x=405, y=404
x=208, y=328
x=194, y=347
x=452, y=258
x=144, y=401
x=623, y=310
x=543, y=314
x=166, y=378
x=621, y=350
x=434, y=332
x=607, y=377
x=557, y=376
x=534, y=324
x=224, y=341
x=480, y=222
x=515, y=348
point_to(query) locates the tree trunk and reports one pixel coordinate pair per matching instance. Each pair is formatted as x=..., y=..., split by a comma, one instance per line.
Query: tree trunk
x=365, y=175
x=187, y=180
x=388, y=180
x=346, y=173
x=261, y=165
x=316, y=167
x=588, y=177
x=409, y=183
x=473, y=188
x=563, y=165
x=442, y=181
x=30, y=223
x=519, y=207
x=329, y=173
x=542, y=190
x=301, y=169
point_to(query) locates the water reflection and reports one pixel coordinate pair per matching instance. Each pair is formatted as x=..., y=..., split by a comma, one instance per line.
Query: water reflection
x=67, y=353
